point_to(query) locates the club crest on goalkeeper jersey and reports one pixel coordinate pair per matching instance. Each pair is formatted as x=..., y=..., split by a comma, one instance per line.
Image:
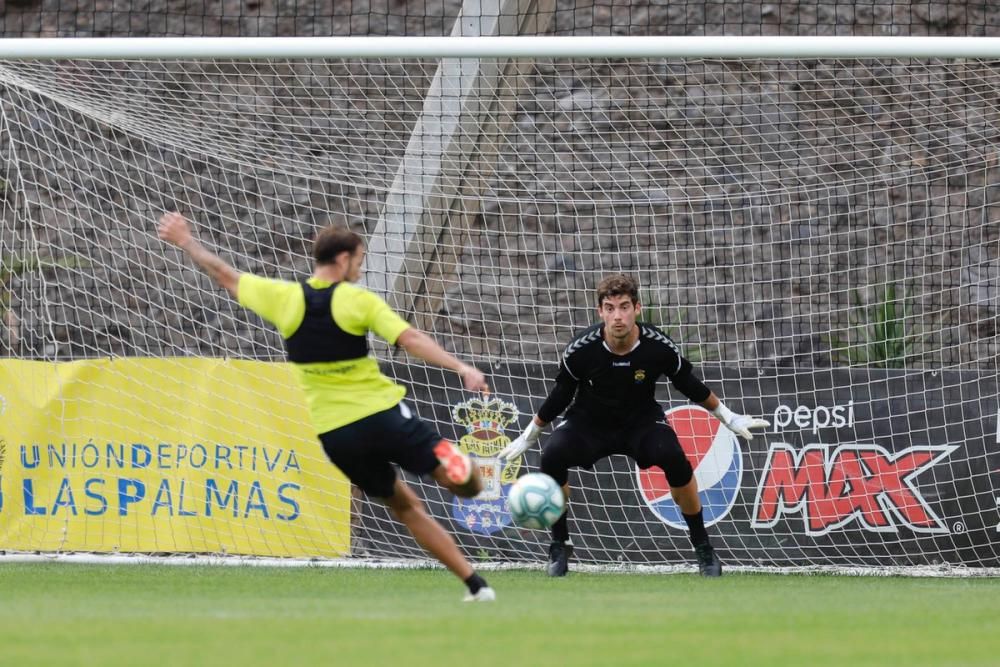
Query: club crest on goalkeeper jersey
x=612, y=389
x=325, y=326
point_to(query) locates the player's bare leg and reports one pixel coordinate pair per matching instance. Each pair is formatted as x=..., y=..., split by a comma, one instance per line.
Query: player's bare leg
x=429, y=534
x=408, y=508
x=687, y=499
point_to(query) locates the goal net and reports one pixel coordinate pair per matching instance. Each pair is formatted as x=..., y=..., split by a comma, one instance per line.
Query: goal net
x=820, y=236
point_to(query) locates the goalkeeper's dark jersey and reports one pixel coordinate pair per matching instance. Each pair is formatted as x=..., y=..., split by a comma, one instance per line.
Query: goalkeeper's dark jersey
x=607, y=389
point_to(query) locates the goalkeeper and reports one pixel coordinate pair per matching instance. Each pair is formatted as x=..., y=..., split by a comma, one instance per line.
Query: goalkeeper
x=358, y=412
x=611, y=369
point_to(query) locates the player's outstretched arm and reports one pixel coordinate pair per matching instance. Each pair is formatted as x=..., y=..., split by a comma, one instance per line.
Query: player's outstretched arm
x=176, y=230
x=525, y=441
x=741, y=425
x=422, y=346
x=558, y=400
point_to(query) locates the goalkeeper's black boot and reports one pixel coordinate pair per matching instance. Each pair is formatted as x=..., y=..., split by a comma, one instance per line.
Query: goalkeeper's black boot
x=709, y=564
x=559, y=553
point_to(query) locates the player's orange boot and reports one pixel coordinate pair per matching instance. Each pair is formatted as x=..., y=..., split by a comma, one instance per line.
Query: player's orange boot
x=457, y=465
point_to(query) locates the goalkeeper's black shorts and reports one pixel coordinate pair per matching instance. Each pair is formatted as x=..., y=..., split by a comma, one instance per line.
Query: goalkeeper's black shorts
x=576, y=443
x=366, y=449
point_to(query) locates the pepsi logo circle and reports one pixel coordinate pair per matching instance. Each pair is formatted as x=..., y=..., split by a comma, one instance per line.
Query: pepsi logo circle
x=715, y=454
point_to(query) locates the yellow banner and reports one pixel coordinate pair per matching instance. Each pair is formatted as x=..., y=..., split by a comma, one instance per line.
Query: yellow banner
x=164, y=455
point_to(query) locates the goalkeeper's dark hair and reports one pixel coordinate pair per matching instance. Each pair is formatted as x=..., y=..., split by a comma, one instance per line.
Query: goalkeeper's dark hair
x=333, y=240
x=618, y=285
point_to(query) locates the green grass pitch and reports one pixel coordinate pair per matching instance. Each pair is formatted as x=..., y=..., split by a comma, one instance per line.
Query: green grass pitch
x=72, y=614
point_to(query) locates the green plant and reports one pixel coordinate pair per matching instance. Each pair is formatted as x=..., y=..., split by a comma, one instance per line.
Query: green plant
x=880, y=335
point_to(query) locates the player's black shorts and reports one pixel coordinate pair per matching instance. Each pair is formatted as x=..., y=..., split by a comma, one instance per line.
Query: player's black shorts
x=366, y=449
x=579, y=444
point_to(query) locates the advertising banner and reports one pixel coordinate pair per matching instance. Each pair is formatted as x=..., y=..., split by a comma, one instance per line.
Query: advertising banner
x=858, y=467
x=164, y=455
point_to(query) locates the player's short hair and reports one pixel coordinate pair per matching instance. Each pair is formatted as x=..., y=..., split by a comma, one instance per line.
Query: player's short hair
x=333, y=240
x=617, y=285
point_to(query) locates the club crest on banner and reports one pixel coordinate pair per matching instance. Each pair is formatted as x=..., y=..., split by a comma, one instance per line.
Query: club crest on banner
x=485, y=422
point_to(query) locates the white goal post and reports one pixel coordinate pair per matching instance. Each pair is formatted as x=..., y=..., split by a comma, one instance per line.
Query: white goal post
x=534, y=47
x=814, y=220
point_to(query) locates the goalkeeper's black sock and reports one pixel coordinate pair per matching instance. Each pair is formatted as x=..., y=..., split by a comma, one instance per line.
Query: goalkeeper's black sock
x=475, y=582
x=560, y=529
x=696, y=524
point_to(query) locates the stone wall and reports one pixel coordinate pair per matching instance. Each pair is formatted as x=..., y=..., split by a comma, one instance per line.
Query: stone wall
x=766, y=209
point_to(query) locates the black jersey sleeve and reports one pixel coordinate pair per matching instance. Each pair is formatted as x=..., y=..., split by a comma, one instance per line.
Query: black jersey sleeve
x=686, y=382
x=561, y=395
x=677, y=368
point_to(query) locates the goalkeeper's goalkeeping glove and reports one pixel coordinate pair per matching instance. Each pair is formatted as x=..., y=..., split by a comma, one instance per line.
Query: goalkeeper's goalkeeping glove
x=738, y=424
x=520, y=444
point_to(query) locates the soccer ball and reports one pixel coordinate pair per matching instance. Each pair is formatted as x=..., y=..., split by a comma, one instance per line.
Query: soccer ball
x=536, y=501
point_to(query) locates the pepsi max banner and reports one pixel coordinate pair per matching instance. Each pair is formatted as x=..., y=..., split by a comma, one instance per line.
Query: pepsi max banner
x=164, y=455
x=858, y=467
